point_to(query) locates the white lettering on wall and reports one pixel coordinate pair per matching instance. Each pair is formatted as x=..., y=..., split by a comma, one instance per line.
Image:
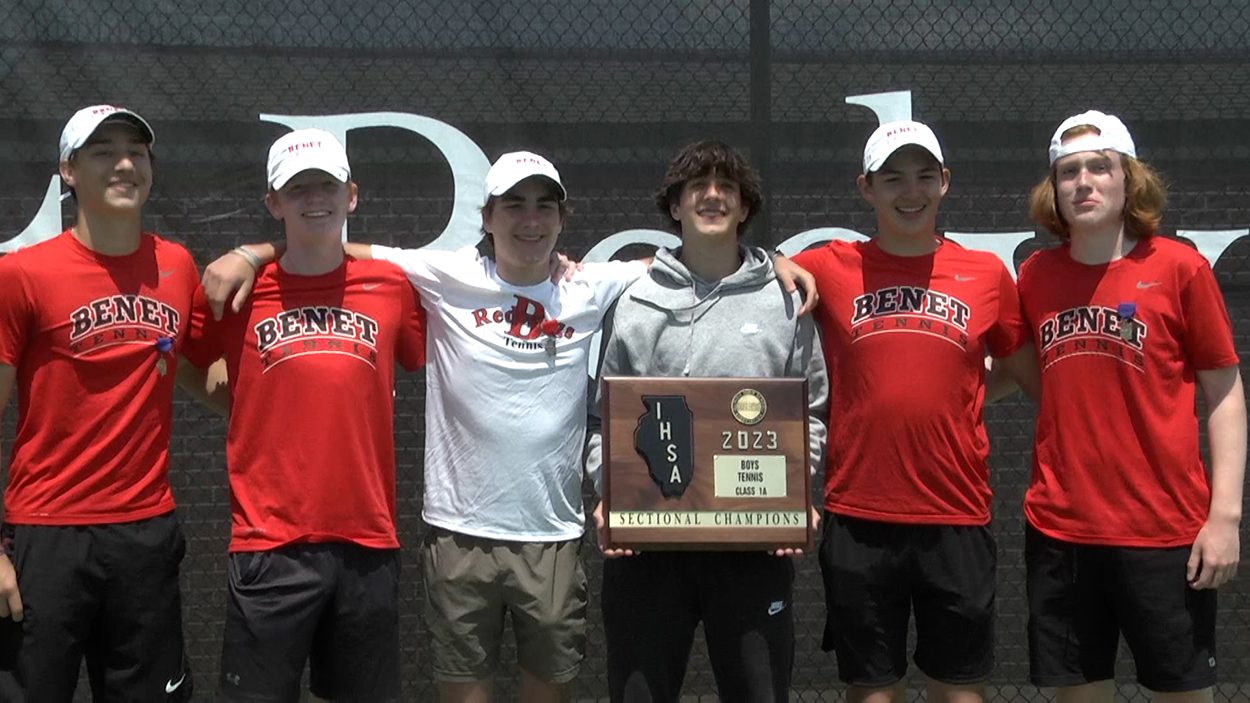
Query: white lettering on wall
x=888, y=107
x=46, y=223
x=1213, y=243
x=467, y=160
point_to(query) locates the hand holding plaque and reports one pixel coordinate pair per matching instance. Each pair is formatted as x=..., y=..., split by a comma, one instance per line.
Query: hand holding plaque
x=705, y=463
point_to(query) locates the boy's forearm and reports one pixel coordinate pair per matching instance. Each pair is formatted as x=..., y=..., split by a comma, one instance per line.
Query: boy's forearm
x=209, y=386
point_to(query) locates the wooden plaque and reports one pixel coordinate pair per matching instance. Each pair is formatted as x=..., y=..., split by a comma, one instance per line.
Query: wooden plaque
x=706, y=463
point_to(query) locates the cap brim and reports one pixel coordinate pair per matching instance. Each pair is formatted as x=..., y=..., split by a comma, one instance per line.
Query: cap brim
x=876, y=165
x=132, y=118
x=338, y=174
x=502, y=188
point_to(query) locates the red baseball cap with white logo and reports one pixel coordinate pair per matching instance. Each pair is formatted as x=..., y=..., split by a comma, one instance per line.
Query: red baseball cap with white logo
x=892, y=136
x=516, y=166
x=304, y=150
x=86, y=121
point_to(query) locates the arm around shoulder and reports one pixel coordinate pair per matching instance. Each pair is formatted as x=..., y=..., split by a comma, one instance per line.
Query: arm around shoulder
x=358, y=251
x=794, y=277
x=231, y=276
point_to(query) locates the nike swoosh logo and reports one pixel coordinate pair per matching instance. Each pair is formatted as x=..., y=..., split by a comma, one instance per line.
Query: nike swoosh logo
x=167, y=274
x=964, y=279
x=1143, y=285
x=370, y=286
x=776, y=607
x=171, y=685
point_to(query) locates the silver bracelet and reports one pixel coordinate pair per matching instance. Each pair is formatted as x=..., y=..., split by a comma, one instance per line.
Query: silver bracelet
x=251, y=259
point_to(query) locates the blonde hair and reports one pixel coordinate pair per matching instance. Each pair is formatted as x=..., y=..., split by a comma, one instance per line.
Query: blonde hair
x=1144, y=196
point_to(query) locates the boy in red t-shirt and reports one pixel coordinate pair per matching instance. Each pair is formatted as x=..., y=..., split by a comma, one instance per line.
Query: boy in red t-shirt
x=314, y=555
x=906, y=321
x=91, y=324
x=1126, y=532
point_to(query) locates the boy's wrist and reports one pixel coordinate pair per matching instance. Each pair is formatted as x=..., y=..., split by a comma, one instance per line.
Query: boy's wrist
x=252, y=259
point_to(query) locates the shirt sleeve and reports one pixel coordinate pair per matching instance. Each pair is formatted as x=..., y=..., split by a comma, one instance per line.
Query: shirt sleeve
x=611, y=363
x=817, y=391
x=410, y=349
x=203, y=342
x=808, y=259
x=612, y=278
x=817, y=262
x=415, y=263
x=1010, y=330
x=1208, y=332
x=16, y=311
x=190, y=281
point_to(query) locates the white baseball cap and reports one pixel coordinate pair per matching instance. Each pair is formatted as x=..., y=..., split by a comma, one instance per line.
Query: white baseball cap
x=516, y=166
x=86, y=121
x=892, y=136
x=1112, y=134
x=307, y=149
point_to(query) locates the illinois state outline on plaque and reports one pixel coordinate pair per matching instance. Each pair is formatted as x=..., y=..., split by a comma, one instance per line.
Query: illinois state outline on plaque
x=664, y=439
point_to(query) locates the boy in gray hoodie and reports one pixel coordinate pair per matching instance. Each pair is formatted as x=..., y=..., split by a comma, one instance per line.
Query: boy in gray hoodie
x=711, y=307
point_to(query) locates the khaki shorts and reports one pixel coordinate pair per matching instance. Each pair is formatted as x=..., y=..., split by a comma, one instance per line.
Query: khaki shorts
x=472, y=582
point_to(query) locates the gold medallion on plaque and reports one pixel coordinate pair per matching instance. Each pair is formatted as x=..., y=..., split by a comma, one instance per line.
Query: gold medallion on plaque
x=748, y=406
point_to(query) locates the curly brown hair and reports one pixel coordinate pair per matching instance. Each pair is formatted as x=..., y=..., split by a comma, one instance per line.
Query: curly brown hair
x=701, y=159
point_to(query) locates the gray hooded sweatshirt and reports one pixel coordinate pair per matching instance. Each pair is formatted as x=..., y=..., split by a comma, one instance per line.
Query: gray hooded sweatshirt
x=670, y=323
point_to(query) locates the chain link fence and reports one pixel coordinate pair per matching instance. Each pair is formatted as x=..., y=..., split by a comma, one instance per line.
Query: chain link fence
x=609, y=90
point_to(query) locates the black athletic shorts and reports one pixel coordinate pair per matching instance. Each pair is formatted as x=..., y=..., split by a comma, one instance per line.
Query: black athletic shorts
x=1082, y=597
x=877, y=573
x=106, y=593
x=332, y=605
x=652, y=603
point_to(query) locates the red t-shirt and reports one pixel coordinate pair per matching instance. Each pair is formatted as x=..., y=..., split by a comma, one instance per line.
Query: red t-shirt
x=905, y=341
x=94, y=378
x=310, y=445
x=1116, y=458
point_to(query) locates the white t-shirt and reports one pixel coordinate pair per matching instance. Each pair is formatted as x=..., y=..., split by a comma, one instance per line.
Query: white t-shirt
x=504, y=418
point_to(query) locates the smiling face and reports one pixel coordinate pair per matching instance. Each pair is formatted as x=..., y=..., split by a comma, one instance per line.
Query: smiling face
x=112, y=171
x=524, y=224
x=313, y=203
x=905, y=193
x=709, y=206
x=1090, y=191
